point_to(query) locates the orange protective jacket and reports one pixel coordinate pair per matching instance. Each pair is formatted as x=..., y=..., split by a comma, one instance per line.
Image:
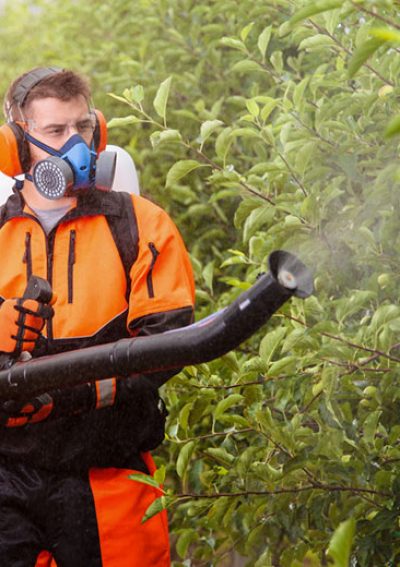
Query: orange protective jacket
x=82, y=262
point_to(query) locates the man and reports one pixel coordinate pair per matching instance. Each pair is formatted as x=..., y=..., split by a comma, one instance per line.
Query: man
x=65, y=457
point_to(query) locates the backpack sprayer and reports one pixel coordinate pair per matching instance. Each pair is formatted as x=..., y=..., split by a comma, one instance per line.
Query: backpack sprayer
x=203, y=341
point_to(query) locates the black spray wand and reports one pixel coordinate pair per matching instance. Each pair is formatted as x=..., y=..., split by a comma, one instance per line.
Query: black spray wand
x=206, y=340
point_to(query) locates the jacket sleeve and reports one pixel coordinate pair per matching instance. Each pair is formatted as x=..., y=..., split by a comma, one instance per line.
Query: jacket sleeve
x=161, y=276
x=162, y=286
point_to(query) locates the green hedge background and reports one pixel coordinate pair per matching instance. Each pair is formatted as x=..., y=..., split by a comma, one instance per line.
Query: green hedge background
x=259, y=126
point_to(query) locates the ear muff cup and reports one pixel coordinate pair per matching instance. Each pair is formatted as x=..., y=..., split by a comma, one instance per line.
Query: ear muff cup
x=100, y=132
x=14, y=150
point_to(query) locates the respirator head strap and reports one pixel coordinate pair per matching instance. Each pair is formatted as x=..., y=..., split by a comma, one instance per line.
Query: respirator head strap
x=41, y=145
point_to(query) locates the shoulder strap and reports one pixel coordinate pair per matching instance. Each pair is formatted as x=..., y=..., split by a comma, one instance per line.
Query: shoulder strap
x=124, y=230
x=2, y=214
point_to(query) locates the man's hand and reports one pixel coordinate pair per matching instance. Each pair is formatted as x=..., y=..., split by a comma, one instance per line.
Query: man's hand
x=21, y=321
x=17, y=414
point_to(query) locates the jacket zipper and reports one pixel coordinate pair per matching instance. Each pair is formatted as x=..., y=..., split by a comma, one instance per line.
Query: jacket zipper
x=71, y=262
x=27, y=259
x=149, y=279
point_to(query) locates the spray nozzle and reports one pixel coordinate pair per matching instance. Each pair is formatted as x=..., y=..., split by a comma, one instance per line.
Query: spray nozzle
x=291, y=273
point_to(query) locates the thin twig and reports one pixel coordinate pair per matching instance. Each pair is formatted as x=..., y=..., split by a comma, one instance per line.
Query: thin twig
x=289, y=167
x=375, y=15
x=217, y=434
x=376, y=353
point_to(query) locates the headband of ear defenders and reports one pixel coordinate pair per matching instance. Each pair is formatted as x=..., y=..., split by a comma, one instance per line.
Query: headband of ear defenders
x=25, y=86
x=14, y=148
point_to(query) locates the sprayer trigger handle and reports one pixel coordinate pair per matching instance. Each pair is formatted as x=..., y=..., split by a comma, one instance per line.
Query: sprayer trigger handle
x=38, y=289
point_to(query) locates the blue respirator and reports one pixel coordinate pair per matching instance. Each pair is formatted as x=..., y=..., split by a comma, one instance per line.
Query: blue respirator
x=72, y=169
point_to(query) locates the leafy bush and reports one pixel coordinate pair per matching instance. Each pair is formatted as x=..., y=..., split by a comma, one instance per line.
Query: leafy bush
x=264, y=125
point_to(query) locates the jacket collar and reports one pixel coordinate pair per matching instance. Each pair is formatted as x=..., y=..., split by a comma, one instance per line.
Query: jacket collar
x=95, y=203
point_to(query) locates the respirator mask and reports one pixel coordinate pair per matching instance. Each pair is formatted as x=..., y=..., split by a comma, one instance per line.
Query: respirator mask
x=73, y=169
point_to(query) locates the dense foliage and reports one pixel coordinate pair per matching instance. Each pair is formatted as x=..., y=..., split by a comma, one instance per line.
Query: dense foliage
x=264, y=125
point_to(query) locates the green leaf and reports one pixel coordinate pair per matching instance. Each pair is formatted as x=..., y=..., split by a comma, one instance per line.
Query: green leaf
x=119, y=98
x=259, y=217
x=226, y=403
x=263, y=40
x=165, y=136
x=245, y=31
x=246, y=133
x=253, y=107
x=298, y=93
x=386, y=34
x=223, y=143
x=161, y=98
x=246, y=65
x=234, y=43
x=145, y=479
x=393, y=128
x=268, y=108
x=207, y=128
x=221, y=455
x=170, y=136
x=234, y=261
x=184, y=415
x=159, y=475
x=180, y=169
x=315, y=41
x=362, y=53
x=271, y=342
x=383, y=315
x=137, y=93
x=208, y=275
x=277, y=61
x=265, y=559
x=316, y=7
x=287, y=363
x=244, y=210
x=184, y=457
x=370, y=425
x=123, y=121
x=340, y=545
x=157, y=506
x=186, y=537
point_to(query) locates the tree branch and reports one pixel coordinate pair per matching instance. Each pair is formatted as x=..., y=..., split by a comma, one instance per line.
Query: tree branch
x=295, y=490
x=324, y=31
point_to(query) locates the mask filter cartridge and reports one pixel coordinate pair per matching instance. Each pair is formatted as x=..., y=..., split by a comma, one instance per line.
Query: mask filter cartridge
x=53, y=177
x=73, y=168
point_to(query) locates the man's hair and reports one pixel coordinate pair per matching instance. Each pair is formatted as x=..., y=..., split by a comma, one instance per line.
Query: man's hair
x=64, y=85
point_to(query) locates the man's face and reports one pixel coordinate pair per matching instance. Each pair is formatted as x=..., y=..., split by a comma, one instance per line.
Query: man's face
x=53, y=121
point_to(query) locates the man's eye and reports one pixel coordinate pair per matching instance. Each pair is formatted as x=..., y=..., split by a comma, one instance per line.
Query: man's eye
x=86, y=126
x=56, y=131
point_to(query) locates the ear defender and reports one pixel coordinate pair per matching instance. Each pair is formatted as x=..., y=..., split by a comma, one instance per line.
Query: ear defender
x=14, y=150
x=100, y=132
